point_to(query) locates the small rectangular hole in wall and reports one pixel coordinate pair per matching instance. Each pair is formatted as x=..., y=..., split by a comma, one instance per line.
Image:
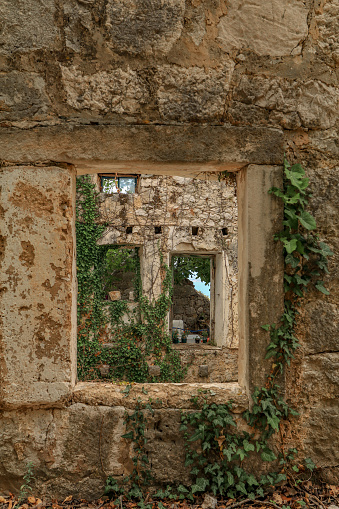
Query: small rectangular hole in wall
x=129, y=229
x=195, y=230
x=157, y=230
x=224, y=231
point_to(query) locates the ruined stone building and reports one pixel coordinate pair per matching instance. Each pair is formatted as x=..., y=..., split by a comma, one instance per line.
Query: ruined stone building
x=176, y=93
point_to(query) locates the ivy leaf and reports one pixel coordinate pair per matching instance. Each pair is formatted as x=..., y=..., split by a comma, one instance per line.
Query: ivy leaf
x=248, y=446
x=200, y=485
x=268, y=455
x=307, y=220
x=320, y=286
x=290, y=245
x=241, y=487
x=230, y=479
x=129, y=435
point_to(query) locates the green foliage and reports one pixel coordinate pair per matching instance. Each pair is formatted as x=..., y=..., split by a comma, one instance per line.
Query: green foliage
x=185, y=267
x=26, y=488
x=118, y=259
x=216, y=450
x=144, y=337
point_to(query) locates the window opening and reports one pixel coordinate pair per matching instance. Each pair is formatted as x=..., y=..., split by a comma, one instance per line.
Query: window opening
x=191, y=310
x=195, y=230
x=157, y=230
x=224, y=231
x=111, y=184
x=120, y=270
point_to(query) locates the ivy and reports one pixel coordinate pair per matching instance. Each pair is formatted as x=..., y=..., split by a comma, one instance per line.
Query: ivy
x=217, y=460
x=218, y=450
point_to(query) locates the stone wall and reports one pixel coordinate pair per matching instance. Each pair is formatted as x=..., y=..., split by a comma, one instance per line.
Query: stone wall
x=169, y=88
x=191, y=306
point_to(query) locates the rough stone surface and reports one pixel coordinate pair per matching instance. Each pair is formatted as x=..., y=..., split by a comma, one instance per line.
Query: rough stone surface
x=37, y=281
x=220, y=364
x=27, y=26
x=23, y=95
x=272, y=28
x=144, y=27
x=191, y=306
x=312, y=104
x=193, y=94
x=117, y=91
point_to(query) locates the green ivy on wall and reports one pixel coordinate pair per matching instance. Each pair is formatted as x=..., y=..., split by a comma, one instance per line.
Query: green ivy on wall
x=144, y=339
x=219, y=448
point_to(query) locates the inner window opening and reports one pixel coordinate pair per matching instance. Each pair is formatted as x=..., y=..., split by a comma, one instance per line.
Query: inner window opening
x=201, y=327
x=190, y=318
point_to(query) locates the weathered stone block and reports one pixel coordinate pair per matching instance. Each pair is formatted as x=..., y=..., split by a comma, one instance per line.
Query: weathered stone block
x=38, y=286
x=27, y=25
x=115, y=295
x=119, y=91
x=22, y=96
x=203, y=370
x=193, y=94
x=144, y=27
x=272, y=28
x=154, y=370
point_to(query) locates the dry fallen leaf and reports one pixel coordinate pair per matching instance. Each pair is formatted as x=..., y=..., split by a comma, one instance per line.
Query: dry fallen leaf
x=2, y=500
x=31, y=500
x=277, y=498
x=68, y=499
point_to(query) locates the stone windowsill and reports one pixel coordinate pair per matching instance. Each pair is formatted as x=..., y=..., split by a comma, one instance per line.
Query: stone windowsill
x=166, y=395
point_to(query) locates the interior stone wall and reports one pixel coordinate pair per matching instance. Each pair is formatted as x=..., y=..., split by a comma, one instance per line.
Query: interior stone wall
x=180, y=88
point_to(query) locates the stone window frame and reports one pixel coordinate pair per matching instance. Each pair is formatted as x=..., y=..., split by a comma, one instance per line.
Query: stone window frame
x=254, y=153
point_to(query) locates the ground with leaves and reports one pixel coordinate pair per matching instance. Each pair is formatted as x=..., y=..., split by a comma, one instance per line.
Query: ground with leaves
x=305, y=494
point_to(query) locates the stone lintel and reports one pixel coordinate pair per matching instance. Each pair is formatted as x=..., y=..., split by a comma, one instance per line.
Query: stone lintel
x=165, y=395
x=155, y=149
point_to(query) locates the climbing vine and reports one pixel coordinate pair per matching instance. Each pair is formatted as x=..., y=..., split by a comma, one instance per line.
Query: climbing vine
x=218, y=447
x=219, y=461
x=138, y=340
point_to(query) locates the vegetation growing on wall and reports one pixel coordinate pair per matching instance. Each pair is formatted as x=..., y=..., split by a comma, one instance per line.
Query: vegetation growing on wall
x=141, y=341
x=218, y=448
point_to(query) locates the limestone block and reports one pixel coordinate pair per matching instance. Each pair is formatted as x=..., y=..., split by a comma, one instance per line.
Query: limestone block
x=315, y=103
x=79, y=27
x=63, y=446
x=326, y=32
x=120, y=91
x=154, y=370
x=38, y=341
x=115, y=295
x=22, y=95
x=203, y=370
x=165, y=447
x=96, y=147
x=194, y=93
x=27, y=25
x=320, y=425
x=274, y=27
x=144, y=27
x=320, y=376
x=321, y=321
